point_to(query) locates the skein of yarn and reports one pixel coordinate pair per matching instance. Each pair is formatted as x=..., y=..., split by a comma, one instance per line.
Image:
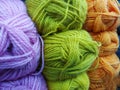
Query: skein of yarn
x=32, y=82
x=67, y=54
x=102, y=77
x=81, y=82
x=52, y=16
x=20, y=45
x=109, y=41
x=103, y=15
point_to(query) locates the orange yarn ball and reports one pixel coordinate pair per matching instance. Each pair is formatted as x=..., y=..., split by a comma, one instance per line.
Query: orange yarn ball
x=102, y=77
x=103, y=15
x=109, y=42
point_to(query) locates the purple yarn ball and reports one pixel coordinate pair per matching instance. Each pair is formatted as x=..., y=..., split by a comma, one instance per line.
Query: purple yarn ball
x=20, y=45
x=33, y=82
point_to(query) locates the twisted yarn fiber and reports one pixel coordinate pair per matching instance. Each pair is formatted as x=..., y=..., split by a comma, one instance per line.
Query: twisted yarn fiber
x=81, y=82
x=52, y=16
x=19, y=42
x=33, y=82
x=67, y=54
x=102, y=78
x=109, y=41
x=103, y=15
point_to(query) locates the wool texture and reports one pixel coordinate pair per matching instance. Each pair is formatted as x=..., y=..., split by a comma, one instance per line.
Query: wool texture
x=67, y=54
x=103, y=15
x=103, y=72
x=31, y=82
x=81, y=82
x=53, y=16
x=20, y=45
x=109, y=42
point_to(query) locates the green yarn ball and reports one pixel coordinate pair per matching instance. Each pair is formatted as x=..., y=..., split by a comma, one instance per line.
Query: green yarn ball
x=81, y=82
x=67, y=54
x=52, y=16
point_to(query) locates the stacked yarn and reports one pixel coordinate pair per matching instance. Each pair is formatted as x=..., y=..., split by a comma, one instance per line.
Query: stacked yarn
x=69, y=50
x=102, y=22
x=20, y=48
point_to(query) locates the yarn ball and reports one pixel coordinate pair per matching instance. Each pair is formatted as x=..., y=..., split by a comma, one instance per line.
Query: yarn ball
x=102, y=77
x=32, y=82
x=81, y=82
x=20, y=45
x=109, y=42
x=103, y=15
x=52, y=16
x=67, y=54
